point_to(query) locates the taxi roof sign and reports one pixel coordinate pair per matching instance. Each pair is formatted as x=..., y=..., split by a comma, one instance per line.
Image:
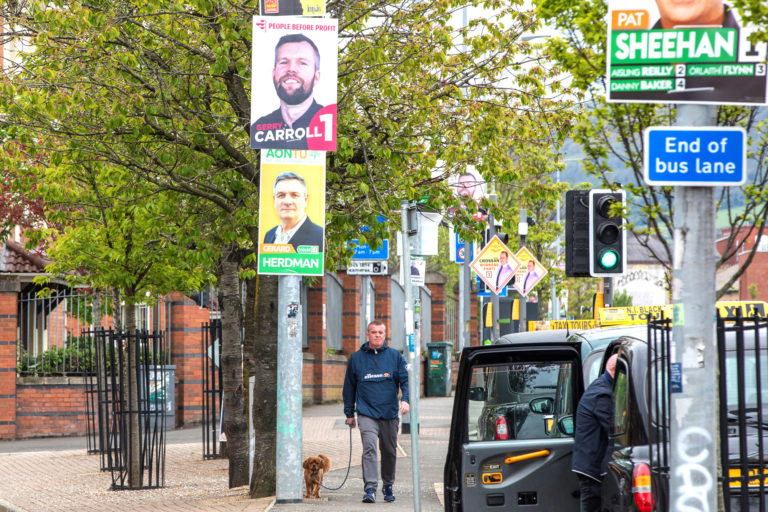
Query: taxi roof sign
x=629, y=315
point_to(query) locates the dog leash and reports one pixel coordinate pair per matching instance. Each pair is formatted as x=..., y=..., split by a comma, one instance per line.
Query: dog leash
x=348, y=466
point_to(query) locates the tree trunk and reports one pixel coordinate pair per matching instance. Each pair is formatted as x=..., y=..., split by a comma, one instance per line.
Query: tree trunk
x=261, y=354
x=235, y=425
x=131, y=381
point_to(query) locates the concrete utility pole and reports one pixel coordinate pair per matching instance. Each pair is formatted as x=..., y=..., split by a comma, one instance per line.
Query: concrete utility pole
x=522, y=231
x=694, y=410
x=289, y=476
x=413, y=354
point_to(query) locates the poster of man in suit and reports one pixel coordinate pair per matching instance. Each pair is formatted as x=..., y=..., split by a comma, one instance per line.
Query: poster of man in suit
x=292, y=212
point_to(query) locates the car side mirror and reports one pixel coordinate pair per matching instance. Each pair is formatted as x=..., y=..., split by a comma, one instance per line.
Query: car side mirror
x=542, y=405
x=477, y=394
x=565, y=424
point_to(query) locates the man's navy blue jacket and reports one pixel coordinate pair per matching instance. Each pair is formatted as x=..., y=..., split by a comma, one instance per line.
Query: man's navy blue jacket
x=372, y=382
x=593, y=426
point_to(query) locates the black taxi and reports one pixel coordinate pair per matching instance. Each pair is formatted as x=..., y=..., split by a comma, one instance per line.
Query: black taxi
x=512, y=426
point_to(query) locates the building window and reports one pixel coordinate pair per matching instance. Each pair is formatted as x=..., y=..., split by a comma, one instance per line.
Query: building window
x=762, y=243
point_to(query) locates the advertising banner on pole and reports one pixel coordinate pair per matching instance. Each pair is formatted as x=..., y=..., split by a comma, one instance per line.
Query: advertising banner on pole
x=666, y=51
x=292, y=212
x=294, y=77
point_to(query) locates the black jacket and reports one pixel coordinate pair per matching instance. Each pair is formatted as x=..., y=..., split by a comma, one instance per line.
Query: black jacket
x=308, y=234
x=591, y=446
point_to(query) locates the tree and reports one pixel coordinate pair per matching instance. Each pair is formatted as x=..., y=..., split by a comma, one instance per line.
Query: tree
x=160, y=89
x=114, y=234
x=612, y=133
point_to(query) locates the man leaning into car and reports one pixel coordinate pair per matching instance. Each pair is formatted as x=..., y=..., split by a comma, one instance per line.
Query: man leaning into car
x=591, y=444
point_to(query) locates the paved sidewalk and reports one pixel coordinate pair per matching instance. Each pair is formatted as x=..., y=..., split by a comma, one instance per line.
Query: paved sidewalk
x=43, y=475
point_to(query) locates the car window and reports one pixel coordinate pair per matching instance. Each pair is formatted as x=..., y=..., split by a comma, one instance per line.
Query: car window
x=621, y=404
x=750, y=378
x=500, y=399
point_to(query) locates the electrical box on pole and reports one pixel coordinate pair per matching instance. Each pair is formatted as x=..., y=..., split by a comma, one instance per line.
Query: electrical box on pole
x=607, y=236
x=577, y=233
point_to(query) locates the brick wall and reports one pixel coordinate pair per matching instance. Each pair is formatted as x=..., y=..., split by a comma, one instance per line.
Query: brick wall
x=50, y=406
x=8, y=320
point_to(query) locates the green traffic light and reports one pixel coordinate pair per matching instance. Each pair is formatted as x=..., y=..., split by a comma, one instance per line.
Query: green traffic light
x=609, y=259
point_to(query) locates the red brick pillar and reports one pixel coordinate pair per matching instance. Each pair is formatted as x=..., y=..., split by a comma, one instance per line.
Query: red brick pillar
x=9, y=296
x=187, y=319
x=383, y=300
x=315, y=354
x=435, y=281
x=351, y=326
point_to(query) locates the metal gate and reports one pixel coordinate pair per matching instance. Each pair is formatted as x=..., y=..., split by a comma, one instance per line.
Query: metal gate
x=742, y=352
x=212, y=386
x=742, y=347
x=659, y=338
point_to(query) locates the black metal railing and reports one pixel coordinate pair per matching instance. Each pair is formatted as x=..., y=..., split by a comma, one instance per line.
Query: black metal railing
x=743, y=361
x=659, y=337
x=129, y=422
x=212, y=386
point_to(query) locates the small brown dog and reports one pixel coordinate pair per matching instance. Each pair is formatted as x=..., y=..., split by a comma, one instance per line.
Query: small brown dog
x=314, y=469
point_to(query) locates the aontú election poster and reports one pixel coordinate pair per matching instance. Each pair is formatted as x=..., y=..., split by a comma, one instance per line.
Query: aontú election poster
x=668, y=51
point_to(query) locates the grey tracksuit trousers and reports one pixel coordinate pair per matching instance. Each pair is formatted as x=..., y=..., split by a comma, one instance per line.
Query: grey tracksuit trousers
x=385, y=432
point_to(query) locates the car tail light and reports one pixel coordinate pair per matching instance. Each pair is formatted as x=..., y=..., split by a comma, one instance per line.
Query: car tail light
x=502, y=432
x=641, y=488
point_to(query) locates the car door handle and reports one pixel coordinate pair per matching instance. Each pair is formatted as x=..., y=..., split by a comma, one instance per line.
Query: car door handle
x=526, y=456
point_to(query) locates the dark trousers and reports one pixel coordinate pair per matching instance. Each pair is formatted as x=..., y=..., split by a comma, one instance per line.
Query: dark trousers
x=590, y=494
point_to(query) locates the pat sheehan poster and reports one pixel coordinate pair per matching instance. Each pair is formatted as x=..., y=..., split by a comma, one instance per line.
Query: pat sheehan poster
x=294, y=77
x=666, y=51
x=292, y=212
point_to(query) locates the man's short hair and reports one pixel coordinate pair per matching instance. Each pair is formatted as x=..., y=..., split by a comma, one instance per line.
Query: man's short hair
x=289, y=175
x=375, y=322
x=298, y=38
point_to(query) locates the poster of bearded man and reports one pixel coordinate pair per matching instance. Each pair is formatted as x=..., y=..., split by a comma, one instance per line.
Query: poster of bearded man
x=294, y=82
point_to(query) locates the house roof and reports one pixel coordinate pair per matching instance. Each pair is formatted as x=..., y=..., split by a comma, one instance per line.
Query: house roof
x=14, y=259
x=638, y=253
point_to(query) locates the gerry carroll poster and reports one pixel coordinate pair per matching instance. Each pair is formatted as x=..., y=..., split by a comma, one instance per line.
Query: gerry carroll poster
x=668, y=51
x=294, y=76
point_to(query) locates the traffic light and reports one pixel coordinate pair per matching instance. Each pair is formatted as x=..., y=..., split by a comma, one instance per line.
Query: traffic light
x=577, y=233
x=607, y=237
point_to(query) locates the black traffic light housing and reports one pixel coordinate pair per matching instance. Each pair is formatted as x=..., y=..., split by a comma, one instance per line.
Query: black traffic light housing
x=577, y=233
x=607, y=236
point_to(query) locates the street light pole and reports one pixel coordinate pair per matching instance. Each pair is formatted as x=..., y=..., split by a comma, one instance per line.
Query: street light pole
x=413, y=359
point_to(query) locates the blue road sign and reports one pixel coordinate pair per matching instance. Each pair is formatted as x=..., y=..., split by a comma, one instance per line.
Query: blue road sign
x=459, y=244
x=690, y=156
x=481, y=287
x=364, y=252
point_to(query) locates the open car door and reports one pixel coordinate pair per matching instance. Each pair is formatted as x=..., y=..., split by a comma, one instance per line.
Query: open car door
x=512, y=428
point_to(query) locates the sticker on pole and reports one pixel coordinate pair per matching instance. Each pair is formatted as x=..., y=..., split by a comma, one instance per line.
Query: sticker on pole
x=692, y=156
x=495, y=265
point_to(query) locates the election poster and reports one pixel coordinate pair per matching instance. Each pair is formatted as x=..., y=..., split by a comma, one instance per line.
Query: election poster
x=529, y=274
x=294, y=77
x=495, y=265
x=666, y=51
x=292, y=212
x=292, y=7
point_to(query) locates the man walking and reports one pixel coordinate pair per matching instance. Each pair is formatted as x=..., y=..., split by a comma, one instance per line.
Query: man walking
x=375, y=374
x=591, y=438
